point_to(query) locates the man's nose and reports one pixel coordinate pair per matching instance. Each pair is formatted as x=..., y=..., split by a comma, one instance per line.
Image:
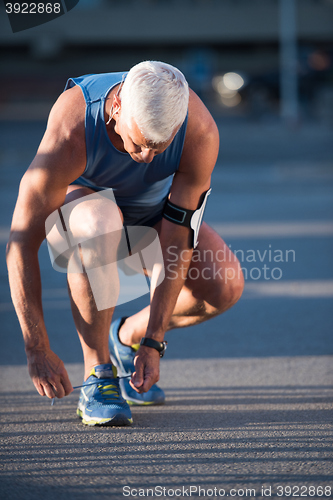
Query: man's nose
x=147, y=155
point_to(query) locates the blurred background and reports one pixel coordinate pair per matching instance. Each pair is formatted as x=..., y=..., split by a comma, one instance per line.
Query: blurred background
x=277, y=54
x=264, y=68
x=248, y=393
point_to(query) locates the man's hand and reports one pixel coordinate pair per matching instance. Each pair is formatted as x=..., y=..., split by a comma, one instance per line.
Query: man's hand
x=147, y=369
x=48, y=374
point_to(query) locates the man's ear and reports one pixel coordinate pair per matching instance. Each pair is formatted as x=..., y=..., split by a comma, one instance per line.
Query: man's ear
x=116, y=103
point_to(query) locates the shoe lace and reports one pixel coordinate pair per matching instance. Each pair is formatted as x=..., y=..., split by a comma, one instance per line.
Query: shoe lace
x=108, y=391
x=99, y=385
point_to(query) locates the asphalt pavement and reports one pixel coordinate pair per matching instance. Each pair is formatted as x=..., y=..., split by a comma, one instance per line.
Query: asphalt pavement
x=249, y=394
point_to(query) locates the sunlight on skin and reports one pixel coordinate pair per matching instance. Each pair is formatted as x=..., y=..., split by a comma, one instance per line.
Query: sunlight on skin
x=136, y=145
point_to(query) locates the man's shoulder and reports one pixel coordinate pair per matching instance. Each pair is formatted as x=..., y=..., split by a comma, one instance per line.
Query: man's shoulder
x=201, y=144
x=201, y=125
x=67, y=115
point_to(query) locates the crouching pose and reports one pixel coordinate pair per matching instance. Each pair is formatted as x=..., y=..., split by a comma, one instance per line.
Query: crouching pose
x=149, y=138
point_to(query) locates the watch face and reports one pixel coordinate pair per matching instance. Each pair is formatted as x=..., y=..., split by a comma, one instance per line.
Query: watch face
x=164, y=348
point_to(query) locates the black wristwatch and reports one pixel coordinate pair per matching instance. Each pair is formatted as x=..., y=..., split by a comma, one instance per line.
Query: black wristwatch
x=159, y=346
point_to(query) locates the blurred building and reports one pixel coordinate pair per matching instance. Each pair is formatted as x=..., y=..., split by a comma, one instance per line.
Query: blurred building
x=205, y=38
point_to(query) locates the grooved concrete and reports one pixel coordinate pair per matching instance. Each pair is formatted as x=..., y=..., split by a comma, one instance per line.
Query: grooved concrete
x=249, y=394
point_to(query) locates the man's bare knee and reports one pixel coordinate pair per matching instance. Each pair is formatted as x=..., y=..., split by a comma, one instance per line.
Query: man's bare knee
x=92, y=218
x=225, y=292
x=95, y=227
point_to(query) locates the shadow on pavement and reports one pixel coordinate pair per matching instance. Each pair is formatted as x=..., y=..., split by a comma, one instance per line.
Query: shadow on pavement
x=223, y=437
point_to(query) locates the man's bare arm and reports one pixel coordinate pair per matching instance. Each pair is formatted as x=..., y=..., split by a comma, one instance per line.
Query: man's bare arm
x=60, y=159
x=190, y=182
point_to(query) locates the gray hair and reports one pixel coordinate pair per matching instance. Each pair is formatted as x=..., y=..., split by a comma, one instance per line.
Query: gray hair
x=155, y=95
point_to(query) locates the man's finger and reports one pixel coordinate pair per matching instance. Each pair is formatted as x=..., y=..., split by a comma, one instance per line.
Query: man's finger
x=39, y=388
x=66, y=385
x=137, y=380
x=58, y=390
x=131, y=382
x=148, y=382
x=49, y=391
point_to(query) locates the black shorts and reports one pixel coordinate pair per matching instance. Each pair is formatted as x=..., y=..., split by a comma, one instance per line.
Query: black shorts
x=142, y=216
x=137, y=215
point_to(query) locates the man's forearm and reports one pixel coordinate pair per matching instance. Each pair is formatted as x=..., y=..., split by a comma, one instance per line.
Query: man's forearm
x=162, y=306
x=25, y=286
x=46, y=369
x=177, y=258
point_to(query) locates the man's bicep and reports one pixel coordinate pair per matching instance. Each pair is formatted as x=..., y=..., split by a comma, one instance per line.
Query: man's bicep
x=60, y=160
x=35, y=202
x=183, y=211
x=199, y=156
x=43, y=189
x=187, y=191
x=62, y=151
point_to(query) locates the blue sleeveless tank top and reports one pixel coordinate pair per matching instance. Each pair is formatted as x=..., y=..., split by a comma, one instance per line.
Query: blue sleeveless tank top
x=134, y=184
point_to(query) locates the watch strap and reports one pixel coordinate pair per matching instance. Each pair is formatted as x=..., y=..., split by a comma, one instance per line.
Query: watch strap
x=159, y=346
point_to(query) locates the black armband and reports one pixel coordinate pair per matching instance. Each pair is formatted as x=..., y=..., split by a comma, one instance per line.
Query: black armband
x=185, y=217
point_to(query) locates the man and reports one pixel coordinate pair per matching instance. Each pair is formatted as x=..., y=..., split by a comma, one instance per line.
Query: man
x=151, y=139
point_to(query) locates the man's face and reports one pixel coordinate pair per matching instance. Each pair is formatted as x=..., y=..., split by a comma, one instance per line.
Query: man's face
x=140, y=149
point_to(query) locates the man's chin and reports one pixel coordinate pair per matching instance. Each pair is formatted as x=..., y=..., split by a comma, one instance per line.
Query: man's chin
x=138, y=160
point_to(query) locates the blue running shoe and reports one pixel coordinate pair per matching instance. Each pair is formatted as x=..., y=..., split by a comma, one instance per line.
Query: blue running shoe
x=100, y=400
x=122, y=357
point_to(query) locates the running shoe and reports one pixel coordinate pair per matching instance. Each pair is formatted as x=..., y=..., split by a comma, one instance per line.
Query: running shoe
x=100, y=400
x=122, y=357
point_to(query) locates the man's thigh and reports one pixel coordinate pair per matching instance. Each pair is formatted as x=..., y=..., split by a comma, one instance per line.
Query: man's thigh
x=75, y=191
